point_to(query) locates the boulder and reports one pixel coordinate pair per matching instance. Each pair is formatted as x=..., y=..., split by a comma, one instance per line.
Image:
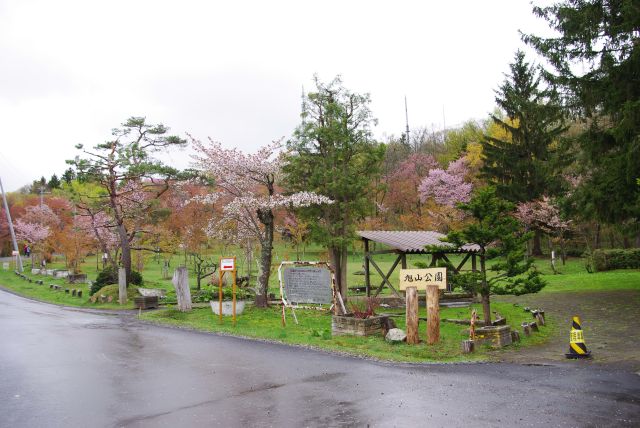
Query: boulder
x=395, y=335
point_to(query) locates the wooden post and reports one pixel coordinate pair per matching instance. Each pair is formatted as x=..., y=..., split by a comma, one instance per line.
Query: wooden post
x=181, y=284
x=233, y=274
x=433, y=314
x=467, y=346
x=220, y=274
x=367, y=279
x=122, y=286
x=413, y=337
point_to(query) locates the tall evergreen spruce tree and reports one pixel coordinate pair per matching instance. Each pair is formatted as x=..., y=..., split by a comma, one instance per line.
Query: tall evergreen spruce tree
x=522, y=167
x=595, y=59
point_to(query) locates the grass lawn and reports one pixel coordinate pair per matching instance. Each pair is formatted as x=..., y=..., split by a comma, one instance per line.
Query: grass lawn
x=315, y=327
x=12, y=282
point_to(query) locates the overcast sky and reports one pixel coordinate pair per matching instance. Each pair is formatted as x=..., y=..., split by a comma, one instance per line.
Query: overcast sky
x=70, y=71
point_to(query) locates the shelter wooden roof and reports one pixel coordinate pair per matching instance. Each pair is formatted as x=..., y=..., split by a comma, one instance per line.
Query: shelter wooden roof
x=414, y=241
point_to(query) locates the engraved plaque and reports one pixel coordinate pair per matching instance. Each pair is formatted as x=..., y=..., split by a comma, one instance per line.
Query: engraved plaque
x=307, y=285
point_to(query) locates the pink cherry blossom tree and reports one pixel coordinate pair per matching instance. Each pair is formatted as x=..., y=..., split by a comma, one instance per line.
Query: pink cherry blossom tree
x=404, y=182
x=544, y=215
x=34, y=234
x=447, y=187
x=249, y=182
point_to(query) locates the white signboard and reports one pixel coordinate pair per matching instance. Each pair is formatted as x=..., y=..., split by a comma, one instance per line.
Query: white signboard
x=14, y=253
x=5, y=266
x=228, y=264
x=420, y=278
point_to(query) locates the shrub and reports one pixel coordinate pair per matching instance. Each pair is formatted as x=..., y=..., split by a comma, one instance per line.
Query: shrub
x=113, y=291
x=365, y=309
x=110, y=276
x=616, y=259
x=211, y=293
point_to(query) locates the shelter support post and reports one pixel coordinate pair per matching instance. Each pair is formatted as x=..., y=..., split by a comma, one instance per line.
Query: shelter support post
x=367, y=279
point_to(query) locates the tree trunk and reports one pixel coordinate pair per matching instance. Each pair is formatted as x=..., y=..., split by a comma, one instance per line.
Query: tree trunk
x=181, y=284
x=338, y=261
x=266, y=255
x=537, y=247
x=484, y=292
x=596, y=239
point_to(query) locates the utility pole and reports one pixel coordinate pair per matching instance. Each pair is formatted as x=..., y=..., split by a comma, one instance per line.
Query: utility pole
x=406, y=116
x=42, y=192
x=13, y=234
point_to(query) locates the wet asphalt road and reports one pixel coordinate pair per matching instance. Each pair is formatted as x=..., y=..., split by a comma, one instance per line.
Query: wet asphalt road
x=61, y=367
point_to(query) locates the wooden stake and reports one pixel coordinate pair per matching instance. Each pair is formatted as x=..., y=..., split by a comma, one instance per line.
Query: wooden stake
x=220, y=273
x=467, y=346
x=344, y=310
x=433, y=314
x=233, y=274
x=413, y=337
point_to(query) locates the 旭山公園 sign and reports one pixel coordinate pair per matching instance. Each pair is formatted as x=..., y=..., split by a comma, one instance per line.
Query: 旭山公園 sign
x=420, y=278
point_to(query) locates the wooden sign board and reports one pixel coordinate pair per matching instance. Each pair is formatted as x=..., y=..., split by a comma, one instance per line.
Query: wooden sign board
x=228, y=264
x=308, y=285
x=420, y=278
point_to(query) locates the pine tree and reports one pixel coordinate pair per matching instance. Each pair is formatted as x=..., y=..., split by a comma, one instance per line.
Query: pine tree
x=54, y=182
x=333, y=154
x=500, y=237
x=523, y=166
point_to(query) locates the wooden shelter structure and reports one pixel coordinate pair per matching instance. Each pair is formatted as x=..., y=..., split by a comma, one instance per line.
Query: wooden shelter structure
x=411, y=242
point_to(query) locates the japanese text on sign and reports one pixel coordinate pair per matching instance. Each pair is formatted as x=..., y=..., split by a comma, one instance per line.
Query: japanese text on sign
x=308, y=285
x=420, y=278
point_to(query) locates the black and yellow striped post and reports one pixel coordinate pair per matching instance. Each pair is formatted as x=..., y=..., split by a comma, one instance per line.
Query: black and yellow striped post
x=577, y=347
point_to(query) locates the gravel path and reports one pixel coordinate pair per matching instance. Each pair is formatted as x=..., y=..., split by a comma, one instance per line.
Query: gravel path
x=610, y=320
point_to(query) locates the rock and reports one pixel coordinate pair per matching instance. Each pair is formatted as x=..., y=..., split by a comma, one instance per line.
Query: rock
x=157, y=292
x=395, y=335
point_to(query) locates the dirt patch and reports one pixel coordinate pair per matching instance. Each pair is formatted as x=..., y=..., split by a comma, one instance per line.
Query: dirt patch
x=610, y=320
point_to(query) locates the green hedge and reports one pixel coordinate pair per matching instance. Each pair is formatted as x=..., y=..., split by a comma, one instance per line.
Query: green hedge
x=616, y=259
